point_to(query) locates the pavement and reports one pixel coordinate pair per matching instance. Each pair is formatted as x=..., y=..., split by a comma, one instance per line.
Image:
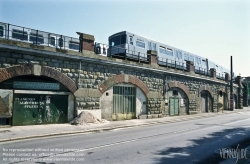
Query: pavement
x=13, y=133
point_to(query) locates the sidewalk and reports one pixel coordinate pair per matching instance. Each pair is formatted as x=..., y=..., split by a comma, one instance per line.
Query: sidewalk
x=35, y=131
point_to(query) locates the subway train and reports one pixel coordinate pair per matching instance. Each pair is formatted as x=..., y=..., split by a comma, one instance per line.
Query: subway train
x=123, y=44
x=131, y=46
x=37, y=37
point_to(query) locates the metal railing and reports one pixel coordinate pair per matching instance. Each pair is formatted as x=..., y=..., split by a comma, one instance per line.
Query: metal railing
x=121, y=52
x=172, y=63
x=37, y=37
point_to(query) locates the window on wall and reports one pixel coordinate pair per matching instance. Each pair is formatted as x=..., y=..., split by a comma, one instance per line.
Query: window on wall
x=140, y=44
x=175, y=93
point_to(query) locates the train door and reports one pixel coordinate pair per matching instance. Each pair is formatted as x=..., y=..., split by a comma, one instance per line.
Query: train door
x=140, y=48
x=52, y=40
x=131, y=47
x=3, y=31
x=204, y=66
x=178, y=59
x=198, y=66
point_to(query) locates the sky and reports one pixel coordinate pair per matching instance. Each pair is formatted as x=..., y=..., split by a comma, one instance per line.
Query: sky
x=214, y=29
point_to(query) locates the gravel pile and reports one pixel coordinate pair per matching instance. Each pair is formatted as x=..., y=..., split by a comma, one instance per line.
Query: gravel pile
x=84, y=118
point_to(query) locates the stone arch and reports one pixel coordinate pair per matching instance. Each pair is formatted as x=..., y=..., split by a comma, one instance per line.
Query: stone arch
x=205, y=88
x=178, y=84
x=123, y=78
x=38, y=70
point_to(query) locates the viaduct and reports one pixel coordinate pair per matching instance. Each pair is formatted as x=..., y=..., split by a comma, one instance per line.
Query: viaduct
x=42, y=84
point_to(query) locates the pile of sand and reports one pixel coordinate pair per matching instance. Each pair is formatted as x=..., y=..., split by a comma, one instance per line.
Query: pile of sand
x=84, y=118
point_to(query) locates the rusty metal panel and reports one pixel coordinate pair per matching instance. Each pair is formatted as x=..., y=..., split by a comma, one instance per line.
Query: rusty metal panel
x=34, y=109
x=6, y=98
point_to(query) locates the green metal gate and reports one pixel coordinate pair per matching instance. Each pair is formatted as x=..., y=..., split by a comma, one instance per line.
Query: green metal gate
x=173, y=106
x=33, y=109
x=124, y=98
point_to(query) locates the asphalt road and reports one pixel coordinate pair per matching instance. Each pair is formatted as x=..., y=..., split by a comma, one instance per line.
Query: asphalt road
x=191, y=141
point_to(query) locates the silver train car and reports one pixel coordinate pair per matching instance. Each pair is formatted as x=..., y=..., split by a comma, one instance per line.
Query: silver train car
x=131, y=46
x=37, y=37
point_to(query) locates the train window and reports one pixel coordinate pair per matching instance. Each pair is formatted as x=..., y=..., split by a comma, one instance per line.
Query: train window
x=166, y=51
x=186, y=56
x=191, y=58
x=19, y=34
x=199, y=60
x=60, y=41
x=149, y=46
x=196, y=59
x=140, y=44
x=115, y=41
x=97, y=50
x=1, y=31
x=131, y=40
x=39, y=39
x=104, y=50
x=74, y=45
x=52, y=41
x=154, y=46
x=123, y=39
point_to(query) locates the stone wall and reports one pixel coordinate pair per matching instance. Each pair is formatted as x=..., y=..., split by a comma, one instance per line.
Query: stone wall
x=93, y=75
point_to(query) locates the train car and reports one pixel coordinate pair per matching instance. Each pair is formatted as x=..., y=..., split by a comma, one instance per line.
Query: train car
x=38, y=37
x=131, y=46
x=101, y=49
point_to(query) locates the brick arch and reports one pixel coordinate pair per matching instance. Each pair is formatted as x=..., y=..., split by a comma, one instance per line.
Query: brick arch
x=123, y=78
x=206, y=88
x=37, y=70
x=177, y=84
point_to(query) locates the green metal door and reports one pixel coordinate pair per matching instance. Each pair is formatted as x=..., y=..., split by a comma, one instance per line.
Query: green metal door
x=173, y=106
x=33, y=109
x=124, y=100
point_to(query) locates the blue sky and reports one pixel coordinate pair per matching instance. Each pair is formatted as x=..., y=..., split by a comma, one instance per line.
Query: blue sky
x=215, y=29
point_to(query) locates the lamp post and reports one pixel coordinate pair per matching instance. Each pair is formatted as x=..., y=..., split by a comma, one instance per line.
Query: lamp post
x=231, y=86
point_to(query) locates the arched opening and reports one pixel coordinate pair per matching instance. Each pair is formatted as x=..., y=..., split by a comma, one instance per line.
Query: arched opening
x=206, y=101
x=223, y=102
x=176, y=102
x=123, y=101
x=33, y=100
x=235, y=102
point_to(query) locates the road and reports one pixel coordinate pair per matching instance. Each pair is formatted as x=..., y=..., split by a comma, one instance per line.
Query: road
x=190, y=141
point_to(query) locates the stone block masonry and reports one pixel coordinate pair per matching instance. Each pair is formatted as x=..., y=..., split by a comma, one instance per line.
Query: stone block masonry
x=89, y=76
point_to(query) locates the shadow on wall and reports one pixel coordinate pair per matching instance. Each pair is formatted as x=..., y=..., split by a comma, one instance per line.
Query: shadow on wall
x=192, y=154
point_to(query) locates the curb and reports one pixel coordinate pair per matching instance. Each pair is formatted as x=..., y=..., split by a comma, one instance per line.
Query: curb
x=115, y=127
